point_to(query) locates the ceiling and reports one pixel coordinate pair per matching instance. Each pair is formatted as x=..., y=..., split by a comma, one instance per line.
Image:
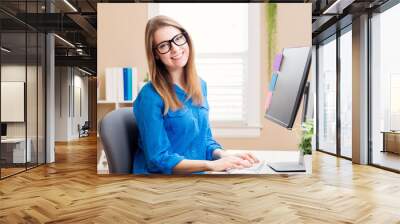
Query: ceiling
x=332, y=15
x=76, y=22
x=77, y=25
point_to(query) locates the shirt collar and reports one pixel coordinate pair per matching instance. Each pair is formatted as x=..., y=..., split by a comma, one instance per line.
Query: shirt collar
x=179, y=90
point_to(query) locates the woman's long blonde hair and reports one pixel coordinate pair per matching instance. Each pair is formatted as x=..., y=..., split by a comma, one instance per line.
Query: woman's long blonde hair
x=159, y=76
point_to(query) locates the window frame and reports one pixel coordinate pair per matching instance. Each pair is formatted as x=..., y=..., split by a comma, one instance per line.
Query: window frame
x=251, y=125
x=371, y=38
x=334, y=37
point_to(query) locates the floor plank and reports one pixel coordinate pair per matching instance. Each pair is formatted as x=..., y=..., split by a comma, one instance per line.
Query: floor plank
x=70, y=191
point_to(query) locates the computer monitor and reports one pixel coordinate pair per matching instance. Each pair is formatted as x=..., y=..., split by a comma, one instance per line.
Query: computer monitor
x=287, y=95
x=290, y=85
x=3, y=129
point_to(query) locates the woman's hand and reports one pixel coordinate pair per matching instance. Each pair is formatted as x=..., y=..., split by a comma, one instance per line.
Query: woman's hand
x=219, y=153
x=246, y=156
x=228, y=162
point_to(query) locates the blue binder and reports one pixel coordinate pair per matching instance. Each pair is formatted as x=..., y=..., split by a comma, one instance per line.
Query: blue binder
x=127, y=84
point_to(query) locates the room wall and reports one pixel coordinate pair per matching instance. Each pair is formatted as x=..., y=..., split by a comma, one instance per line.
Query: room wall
x=119, y=43
x=66, y=121
x=17, y=73
x=293, y=29
x=79, y=117
x=61, y=103
x=127, y=49
x=34, y=125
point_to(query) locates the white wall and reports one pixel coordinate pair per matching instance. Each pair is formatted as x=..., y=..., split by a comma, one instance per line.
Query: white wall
x=34, y=125
x=68, y=81
x=17, y=73
x=81, y=83
x=61, y=103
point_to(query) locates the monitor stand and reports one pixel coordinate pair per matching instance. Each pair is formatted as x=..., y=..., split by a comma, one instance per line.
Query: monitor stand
x=289, y=166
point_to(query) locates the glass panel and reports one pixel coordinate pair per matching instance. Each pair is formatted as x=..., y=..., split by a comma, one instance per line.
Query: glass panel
x=31, y=98
x=23, y=88
x=13, y=85
x=41, y=98
x=385, y=86
x=346, y=94
x=31, y=85
x=327, y=97
x=394, y=102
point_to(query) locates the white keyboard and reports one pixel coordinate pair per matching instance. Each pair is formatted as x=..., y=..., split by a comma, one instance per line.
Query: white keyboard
x=255, y=169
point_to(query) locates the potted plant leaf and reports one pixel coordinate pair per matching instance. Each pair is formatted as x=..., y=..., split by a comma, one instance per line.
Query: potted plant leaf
x=305, y=145
x=145, y=80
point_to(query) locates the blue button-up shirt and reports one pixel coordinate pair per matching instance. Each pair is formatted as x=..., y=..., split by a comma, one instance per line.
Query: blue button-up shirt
x=165, y=140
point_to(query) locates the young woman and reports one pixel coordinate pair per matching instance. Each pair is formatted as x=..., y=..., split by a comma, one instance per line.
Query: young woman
x=172, y=110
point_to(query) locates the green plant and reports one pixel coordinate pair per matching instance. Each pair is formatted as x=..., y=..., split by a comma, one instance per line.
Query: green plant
x=306, y=138
x=146, y=79
x=271, y=14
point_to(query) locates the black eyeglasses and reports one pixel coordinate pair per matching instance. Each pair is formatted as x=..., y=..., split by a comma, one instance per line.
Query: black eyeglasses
x=165, y=46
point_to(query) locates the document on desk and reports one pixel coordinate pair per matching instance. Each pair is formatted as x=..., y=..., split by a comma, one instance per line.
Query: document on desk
x=257, y=168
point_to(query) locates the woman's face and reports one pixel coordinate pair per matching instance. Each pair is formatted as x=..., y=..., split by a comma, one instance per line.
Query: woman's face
x=177, y=56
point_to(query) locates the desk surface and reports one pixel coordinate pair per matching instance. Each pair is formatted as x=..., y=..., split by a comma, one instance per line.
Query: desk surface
x=390, y=132
x=13, y=140
x=272, y=156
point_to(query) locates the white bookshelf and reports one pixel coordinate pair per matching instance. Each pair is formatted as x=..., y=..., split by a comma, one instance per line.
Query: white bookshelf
x=110, y=97
x=114, y=84
x=110, y=91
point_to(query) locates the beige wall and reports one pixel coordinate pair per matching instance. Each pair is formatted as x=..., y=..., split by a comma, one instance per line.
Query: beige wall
x=120, y=39
x=293, y=29
x=121, y=44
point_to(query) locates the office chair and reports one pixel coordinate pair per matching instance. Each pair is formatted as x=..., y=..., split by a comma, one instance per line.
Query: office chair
x=119, y=135
x=84, y=129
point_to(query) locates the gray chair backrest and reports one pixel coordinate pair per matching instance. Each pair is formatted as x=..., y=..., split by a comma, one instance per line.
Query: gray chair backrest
x=119, y=135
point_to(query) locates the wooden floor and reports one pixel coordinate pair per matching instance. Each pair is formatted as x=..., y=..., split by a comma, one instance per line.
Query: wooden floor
x=10, y=171
x=387, y=159
x=70, y=191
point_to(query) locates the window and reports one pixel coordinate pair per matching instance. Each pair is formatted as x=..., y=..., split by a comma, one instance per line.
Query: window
x=394, y=101
x=227, y=58
x=327, y=96
x=346, y=93
x=385, y=88
x=22, y=74
x=335, y=94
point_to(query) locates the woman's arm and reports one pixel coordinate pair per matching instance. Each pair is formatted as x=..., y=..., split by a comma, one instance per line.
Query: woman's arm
x=187, y=166
x=220, y=153
x=148, y=110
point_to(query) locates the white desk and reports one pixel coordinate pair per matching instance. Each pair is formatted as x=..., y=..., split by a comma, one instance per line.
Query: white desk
x=18, y=150
x=272, y=156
